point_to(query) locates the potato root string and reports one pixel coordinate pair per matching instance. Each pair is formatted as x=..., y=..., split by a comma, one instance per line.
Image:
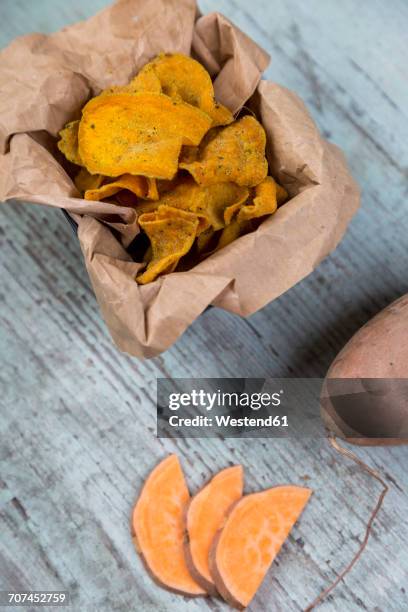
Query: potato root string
x=347, y=453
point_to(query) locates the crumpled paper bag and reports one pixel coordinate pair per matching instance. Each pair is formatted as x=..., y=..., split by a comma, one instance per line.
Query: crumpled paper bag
x=44, y=82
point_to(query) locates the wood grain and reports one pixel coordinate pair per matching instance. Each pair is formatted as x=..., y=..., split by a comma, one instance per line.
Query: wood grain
x=78, y=418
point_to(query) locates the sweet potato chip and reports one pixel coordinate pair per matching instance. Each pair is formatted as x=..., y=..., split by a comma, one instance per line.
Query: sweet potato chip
x=146, y=80
x=231, y=211
x=172, y=233
x=189, y=154
x=152, y=189
x=209, y=201
x=230, y=233
x=68, y=144
x=84, y=181
x=157, y=110
x=117, y=89
x=204, y=240
x=165, y=186
x=143, y=207
x=268, y=196
x=221, y=115
x=265, y=201
x=141, y=186
x=183, y=77
x=188, y=202
x=139, y=134
x=236, y=153
x=156, y=189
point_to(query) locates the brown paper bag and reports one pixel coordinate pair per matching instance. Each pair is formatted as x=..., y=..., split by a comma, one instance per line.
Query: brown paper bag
x=56, y=76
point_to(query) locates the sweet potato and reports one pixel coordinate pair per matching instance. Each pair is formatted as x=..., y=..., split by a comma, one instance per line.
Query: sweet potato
x=252, y=536
x=205, y=515
x=158, y=528
x=364, y=394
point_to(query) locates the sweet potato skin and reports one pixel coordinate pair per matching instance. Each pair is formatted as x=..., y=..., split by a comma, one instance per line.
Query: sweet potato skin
x=340, y=429
x=208, y=586
x=199, y=578
x=218, y=580
x=379, y=350
x=153, y=576
x=138, y=548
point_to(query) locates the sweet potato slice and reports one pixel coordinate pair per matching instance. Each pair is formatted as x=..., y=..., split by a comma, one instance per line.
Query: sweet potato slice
x=158, y=526
x=252, y=536
x=206, y=514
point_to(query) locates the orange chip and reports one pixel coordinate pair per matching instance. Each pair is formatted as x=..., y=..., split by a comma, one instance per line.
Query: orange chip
x=236, y=153
x=183, y=77
x=138, y=134
x=230, y=233
x=264, y=203
x=189, y=154
x=115, y=90
x=221, y=115
x=152, y=189
x=139, y=185
x=268, y=195
x=210, y=201
x=146, y=80
x=165, y=186
x=68, y=145
x=204, y=240
x=145, y=206
x=172, y=233
x=231, y=211
x=84, y=181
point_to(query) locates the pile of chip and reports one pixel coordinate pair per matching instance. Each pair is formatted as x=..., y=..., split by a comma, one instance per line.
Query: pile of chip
x=197, y=178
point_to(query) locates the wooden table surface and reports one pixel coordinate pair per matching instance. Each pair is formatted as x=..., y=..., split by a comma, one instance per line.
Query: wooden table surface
x=78, y=418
